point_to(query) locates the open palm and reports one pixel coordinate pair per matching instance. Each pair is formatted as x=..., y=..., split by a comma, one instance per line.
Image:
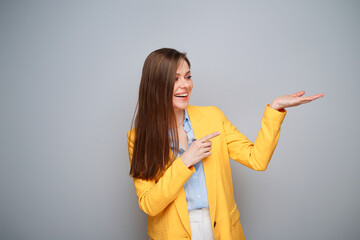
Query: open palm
x=293, y=100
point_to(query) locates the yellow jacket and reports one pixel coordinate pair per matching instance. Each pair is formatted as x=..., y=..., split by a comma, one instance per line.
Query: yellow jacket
x=164, y=200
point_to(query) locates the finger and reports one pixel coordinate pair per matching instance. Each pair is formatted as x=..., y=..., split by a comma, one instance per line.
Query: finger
x=298, y=94
x=316, y=96
x=207, y=144
x=303, y=101
x=210, y=136
x=207, y=149
x=313, y=97
x=206, y=154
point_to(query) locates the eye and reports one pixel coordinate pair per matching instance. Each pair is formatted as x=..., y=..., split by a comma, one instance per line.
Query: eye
x=188, y=77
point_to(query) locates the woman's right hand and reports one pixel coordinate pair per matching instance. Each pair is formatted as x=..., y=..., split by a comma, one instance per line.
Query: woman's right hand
x=198, y=150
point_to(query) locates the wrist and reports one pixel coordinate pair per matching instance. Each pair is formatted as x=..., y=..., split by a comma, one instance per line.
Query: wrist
x=276, y=107
x=186, y=163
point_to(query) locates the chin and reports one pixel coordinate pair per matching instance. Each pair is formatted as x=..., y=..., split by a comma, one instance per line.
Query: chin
x=180, y=107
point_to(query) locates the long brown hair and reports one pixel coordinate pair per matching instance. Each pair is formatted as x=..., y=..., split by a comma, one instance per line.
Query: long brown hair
x=155, y=123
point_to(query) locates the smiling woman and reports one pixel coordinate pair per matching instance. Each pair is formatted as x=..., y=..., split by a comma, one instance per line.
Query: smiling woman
x=182, y=87
x=155, y=121
x=179, y=154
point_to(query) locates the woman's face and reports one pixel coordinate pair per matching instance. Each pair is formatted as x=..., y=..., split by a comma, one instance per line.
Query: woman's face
x=182, y=87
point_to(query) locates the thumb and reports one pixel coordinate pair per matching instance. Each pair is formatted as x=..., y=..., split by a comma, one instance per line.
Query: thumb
x=298, y=94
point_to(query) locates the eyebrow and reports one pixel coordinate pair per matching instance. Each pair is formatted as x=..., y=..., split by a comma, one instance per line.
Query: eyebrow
x=185, y=73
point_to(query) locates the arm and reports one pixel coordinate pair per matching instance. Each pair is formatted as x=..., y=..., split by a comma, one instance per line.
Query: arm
x=155, y=196
x=258, y=154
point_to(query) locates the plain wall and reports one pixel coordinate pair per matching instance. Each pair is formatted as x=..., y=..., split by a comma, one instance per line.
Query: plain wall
x=70, y=71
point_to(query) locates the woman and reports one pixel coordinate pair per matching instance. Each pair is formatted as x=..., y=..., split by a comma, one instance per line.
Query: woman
x=179, y=154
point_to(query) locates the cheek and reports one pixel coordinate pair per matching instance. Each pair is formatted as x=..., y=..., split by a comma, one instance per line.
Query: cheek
x=174, y=89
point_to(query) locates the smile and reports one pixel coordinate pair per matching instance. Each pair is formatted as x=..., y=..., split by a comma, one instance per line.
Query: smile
x=182, y=95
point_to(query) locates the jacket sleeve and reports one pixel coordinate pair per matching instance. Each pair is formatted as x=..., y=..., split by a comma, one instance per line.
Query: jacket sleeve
x=154, y=196
x=255, y=155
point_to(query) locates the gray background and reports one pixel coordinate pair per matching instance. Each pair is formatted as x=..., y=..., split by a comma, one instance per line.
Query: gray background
x=70, y=72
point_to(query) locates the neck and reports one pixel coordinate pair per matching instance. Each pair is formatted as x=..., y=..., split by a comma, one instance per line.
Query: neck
x=179, y=116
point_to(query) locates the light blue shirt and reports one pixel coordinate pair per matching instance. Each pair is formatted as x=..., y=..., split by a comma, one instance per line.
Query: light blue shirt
x=195, y=187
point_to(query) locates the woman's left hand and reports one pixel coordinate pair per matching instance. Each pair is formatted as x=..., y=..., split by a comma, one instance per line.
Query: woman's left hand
x=282, y=102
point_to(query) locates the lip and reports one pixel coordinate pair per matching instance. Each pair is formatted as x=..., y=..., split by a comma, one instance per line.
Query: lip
x=182, y=99
x=181, y=93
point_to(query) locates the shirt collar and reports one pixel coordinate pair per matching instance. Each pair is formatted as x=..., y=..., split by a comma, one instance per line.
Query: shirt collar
x=186, y=116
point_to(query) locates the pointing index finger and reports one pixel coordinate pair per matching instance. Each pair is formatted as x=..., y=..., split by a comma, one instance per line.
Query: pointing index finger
x=210, y=136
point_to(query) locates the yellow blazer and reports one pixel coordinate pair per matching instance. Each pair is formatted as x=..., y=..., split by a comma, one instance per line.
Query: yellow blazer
x=164, y=200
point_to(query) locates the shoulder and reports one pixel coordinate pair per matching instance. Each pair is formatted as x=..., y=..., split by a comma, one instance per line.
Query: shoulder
x=205, y=111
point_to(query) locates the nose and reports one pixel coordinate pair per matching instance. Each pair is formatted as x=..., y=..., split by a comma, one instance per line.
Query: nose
x=183, y=83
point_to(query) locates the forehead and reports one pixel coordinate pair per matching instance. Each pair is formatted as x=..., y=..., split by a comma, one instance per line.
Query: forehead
x=183, y=67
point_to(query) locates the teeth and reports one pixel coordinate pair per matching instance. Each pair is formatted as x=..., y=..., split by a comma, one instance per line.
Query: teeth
x=181, y=95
